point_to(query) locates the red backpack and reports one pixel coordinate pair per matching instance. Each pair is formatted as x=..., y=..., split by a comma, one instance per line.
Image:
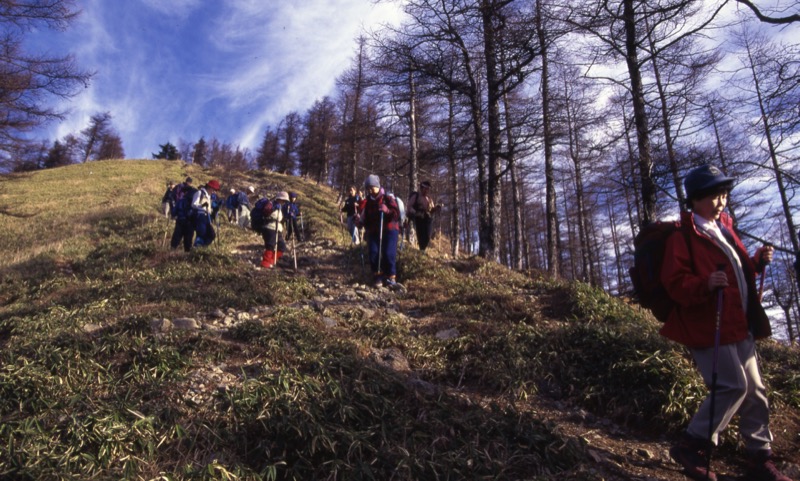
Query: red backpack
x=649, y=246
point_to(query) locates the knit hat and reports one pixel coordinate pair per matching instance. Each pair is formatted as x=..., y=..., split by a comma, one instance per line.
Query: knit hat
x=282, y=196
x=213, y=184
x=292, y=195
x=705, y=179
x=372, y=181
x=188, y=180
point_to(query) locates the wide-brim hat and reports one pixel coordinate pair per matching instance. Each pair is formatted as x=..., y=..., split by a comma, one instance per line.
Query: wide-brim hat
x=282, y=196
x=704, y=179
x=213, y=184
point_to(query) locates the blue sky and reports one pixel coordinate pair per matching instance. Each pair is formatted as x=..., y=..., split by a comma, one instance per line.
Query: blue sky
x=181, y=69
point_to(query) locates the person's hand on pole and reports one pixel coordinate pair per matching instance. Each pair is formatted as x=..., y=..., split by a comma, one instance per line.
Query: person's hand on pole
x=717, y=280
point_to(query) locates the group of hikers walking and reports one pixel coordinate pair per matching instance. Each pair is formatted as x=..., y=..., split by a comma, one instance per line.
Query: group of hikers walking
x=196, y=213
x=706, y=273
x=384, y=220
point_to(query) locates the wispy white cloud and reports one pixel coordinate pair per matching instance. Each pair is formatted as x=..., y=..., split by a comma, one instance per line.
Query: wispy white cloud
x=192, y=68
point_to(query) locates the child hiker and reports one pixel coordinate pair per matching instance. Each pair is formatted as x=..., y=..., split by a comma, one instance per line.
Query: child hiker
x=710, y=276
x=380, y=218
x=272, y=232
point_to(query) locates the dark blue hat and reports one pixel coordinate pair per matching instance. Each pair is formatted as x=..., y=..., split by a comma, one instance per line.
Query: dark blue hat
x=705, y=178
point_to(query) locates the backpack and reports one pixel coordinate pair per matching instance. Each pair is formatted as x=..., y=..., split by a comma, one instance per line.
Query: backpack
x=649, y=246
x=182, y=209
x=260, y=213
x=401, y=206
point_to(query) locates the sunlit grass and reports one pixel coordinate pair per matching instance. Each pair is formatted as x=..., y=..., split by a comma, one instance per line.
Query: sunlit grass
x=307, y=402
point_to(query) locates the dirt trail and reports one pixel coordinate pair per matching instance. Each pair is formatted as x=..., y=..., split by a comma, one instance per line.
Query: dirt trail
x=613, y=451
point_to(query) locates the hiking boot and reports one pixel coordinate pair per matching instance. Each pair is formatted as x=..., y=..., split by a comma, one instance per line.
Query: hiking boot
x=390, y=282
x=268, y=259
x=761, y=468
x=377, y=282
x=692, y=454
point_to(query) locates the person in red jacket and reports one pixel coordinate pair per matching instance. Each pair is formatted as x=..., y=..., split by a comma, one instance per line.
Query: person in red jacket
x=705, y=258
x=380, y=217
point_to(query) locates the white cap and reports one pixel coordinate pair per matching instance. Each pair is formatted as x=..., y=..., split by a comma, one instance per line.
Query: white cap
x=251, y=189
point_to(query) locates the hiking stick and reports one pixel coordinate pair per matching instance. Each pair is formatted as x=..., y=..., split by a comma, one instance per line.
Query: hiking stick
x=380, y=244
x=294, y=253
x=164, y=241
x=275, y=251
x=763, y=265
x=717, y=323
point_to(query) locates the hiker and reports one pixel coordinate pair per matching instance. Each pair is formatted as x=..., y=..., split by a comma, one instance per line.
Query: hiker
x=421, y=209
x=711, y=278
x=380, y=216
x=216, y=203
x=231, y=206
x=167, y=200
x=244, y=206
x=182, y=195
x=272, y=232
x=350, y=209
x=291, y=214
x=202, y=206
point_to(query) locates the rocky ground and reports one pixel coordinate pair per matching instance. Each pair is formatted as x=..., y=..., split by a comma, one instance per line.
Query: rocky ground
x=613, y=452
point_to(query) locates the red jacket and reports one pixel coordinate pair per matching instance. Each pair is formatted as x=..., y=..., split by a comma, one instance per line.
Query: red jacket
x=370, y=216
x=685, y=274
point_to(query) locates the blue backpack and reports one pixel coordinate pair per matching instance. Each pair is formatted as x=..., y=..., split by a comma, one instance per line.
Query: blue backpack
x=182, y=208
x=260, y=213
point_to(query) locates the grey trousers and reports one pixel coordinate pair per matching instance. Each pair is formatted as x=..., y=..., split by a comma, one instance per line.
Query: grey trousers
x=739, y=390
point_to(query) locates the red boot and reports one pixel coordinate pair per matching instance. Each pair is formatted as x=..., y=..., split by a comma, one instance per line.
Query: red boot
x=268, y=259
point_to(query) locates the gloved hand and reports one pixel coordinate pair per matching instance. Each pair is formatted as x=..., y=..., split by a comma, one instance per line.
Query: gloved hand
x=385, y=209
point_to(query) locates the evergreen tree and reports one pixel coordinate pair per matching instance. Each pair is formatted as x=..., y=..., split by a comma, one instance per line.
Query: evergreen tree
x=168, y=152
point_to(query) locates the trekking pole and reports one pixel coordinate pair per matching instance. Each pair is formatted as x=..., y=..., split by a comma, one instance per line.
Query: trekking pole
x=380, y=244
x=763, y=268
x=718, y=321
x=294, y=253
x=275, y=251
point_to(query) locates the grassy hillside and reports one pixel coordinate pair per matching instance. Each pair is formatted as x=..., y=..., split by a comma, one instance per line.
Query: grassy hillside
x=287, y=376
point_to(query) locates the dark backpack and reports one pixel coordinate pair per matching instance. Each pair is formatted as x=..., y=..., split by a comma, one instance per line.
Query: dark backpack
x=182, y=209
x=649, y=247
x=260, y=213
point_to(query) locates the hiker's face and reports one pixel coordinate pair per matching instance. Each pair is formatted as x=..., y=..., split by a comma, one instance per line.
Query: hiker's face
x=711, y=206
x=374, y=190
x=352, y=191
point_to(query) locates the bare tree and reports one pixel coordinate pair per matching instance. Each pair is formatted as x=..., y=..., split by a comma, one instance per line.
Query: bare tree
x=28, y=81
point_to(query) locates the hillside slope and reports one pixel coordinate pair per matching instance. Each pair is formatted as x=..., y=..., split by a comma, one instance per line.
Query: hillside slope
x=122, y=359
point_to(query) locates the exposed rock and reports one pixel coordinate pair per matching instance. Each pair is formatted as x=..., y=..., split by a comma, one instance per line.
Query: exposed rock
x=92, y=329
x=329, y=322
x=161, y=325
x=391, y=358
x=447, y=334
x=187, y=323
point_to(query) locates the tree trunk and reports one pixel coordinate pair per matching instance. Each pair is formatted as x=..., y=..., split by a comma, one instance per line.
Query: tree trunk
x=453, y=163
x=639, y=115
x=551, y=210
